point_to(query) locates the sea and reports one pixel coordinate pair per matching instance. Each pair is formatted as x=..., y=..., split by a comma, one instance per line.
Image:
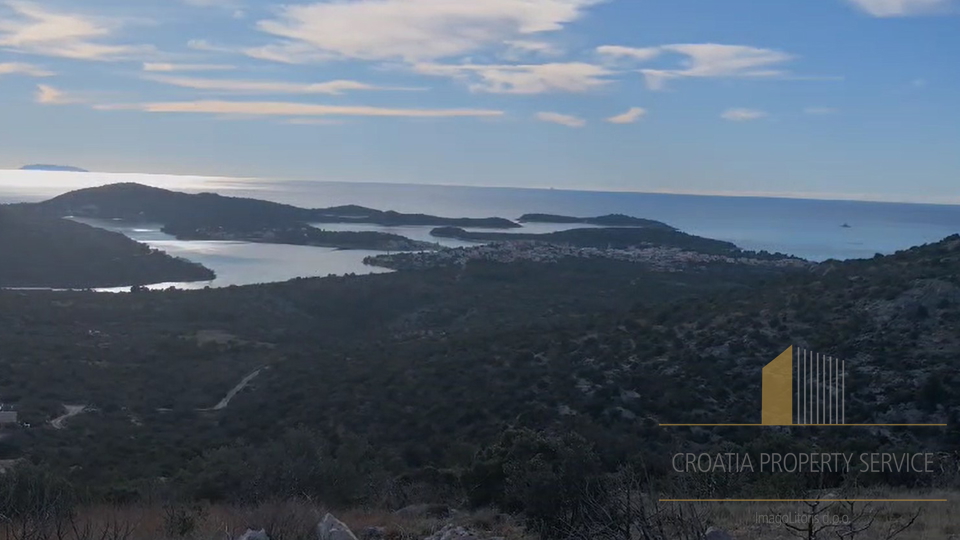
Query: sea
x=816, y=230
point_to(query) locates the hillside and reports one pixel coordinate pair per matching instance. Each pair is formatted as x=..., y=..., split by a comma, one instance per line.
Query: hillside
x=500, y=345
x=607, y=237
x=610, y=220
x=46, y=252
x=136, y=202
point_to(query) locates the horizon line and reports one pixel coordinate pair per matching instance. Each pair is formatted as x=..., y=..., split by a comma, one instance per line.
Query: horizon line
x=812, y=196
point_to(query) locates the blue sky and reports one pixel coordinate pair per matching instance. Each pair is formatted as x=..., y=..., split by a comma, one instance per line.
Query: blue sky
x=817, y=98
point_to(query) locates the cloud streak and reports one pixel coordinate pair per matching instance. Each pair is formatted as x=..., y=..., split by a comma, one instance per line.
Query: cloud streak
x=629, y=117
x=163, y=67
x=901, y=8
x=291, y=109
x=705, y=61
x=48, y=95
x=743, y=115
x=18, y=68
x=412, y=30
x=571, y=77
x=30, y=28
x=562, y=119
x=235, y=86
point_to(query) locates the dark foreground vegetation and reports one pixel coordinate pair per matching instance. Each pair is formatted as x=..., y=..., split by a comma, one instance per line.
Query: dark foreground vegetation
x=536, y=390
x=38, y=251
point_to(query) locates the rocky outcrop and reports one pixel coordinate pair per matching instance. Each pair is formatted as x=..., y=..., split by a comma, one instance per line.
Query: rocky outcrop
x=254, y=535
x=331, y=528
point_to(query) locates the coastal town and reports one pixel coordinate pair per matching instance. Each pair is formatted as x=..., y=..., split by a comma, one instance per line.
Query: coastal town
x=658, y=258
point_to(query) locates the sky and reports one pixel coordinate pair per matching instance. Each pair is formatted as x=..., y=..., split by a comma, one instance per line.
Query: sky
x=808, y=98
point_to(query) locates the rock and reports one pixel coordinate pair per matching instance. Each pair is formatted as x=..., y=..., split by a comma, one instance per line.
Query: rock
x=332, y=528
x=451, y=532
x=255, y=535
x=439, y=511
x=716, y=534
x=373, y=533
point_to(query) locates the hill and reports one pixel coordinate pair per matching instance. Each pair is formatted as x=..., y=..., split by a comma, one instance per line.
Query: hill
x=431, y=382
x=607, y=237
x=610, y=220
x=38, y=251
x=57, y=168
x=136, y=202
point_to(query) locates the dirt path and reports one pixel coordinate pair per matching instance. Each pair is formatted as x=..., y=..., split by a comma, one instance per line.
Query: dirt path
x=234, y=391
x=72, y=410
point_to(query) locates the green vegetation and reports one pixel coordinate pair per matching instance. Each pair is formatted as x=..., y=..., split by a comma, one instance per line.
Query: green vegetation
x=37, y=251
x=608, y=237
x=610, y=220
x=513, y=385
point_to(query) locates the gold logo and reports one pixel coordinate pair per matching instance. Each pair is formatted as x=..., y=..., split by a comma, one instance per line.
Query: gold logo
x=804, y=388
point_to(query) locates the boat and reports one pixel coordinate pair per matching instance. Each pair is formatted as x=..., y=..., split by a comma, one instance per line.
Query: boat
x=846, y=226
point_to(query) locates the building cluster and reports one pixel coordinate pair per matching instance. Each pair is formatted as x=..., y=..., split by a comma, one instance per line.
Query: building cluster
x=665, y=259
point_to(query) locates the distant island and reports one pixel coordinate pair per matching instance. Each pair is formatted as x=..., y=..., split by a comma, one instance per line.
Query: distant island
x=209, y=216
x=39, y=251
x=302, y=235
x=604, y=238
x=54, y=168
x=610, y=220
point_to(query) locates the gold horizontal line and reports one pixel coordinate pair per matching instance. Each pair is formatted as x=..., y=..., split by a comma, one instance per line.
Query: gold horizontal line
x=804, y=500
x=802, y=425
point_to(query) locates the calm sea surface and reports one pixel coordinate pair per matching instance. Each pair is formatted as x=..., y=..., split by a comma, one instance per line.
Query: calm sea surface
x=807, y=228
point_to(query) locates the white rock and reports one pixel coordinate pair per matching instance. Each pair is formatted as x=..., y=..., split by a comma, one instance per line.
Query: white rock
x=332, y=528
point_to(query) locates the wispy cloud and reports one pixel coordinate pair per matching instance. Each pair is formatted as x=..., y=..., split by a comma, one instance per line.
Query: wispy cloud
x=629, y=117
x=235, y=86
x=571, y=77
x=31, y=28
x=820, y=111
x=48, y=95
x=705, y=60
x=562, y=119
x=413, y=30
x=518, y=49
x=164, y=67
x=291, y=109
x=743, y=115
x=638, y=54
x=18, y=68
x=901, y=8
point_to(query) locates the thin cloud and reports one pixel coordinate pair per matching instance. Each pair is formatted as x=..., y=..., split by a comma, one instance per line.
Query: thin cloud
x=412, y=30
x=291, y=109
x=629, y=117
x=743, y=115
x=235, y=86
x=901, y=8
x=48, y=95
x=632, y=53
x=562, y=119
x=705, y=60
x=31, y=28
x=18, y=68
x=572, y=77
x=164, y=67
